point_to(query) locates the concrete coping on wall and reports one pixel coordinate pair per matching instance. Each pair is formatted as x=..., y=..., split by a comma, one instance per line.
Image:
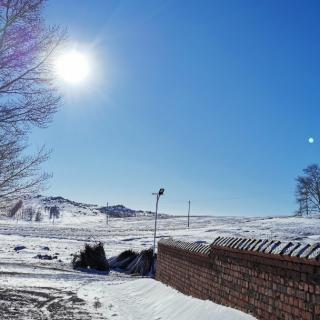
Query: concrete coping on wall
x=265, y=246
x=195, y=247
x=272, y=247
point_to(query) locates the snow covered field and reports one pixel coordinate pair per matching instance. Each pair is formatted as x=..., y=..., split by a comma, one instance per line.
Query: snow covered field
x=38, y=289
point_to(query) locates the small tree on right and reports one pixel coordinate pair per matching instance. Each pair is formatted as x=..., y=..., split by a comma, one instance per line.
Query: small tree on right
x=308, y=191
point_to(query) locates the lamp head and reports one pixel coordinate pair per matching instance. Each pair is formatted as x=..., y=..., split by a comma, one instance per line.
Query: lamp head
x=161, y=192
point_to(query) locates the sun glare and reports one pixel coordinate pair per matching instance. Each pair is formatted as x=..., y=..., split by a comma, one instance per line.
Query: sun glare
x=72, y=67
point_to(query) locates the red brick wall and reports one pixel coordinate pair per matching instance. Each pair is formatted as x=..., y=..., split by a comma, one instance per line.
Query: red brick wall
x=264, y=285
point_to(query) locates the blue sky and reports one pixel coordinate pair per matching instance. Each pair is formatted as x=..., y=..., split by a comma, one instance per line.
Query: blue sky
x=213, y=100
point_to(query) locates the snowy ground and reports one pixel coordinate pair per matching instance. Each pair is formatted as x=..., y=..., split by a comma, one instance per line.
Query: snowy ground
x=36, y=289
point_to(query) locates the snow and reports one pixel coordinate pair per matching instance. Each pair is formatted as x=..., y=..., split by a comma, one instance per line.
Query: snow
x=120, y=297
x=150, y=299
x=70, y=209
x=31, y=288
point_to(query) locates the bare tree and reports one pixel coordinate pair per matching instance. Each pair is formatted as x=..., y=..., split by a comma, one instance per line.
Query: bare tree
x=27, y=92
x=28, y=95
x=28, y=213
x=20, y=174
x=308, y=191
x=38, y=216
x=14, y=210
x=302, y=196
x=54, y=213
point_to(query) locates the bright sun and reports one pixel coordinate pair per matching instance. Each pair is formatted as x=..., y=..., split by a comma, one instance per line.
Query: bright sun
x=72, y=67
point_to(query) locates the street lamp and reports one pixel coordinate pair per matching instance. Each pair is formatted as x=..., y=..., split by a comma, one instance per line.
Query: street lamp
x=158, y=194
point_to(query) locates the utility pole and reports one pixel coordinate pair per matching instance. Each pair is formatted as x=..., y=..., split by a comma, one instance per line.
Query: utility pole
x=107, y=214
x=189, y=213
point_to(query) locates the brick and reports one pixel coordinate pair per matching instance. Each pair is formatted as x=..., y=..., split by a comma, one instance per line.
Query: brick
x=268, y=286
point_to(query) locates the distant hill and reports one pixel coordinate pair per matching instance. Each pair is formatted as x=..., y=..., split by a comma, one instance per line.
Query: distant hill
x=122, y=211
x=78, y=208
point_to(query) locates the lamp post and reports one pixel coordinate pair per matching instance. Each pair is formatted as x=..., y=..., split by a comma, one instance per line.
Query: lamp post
x=158, y=194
